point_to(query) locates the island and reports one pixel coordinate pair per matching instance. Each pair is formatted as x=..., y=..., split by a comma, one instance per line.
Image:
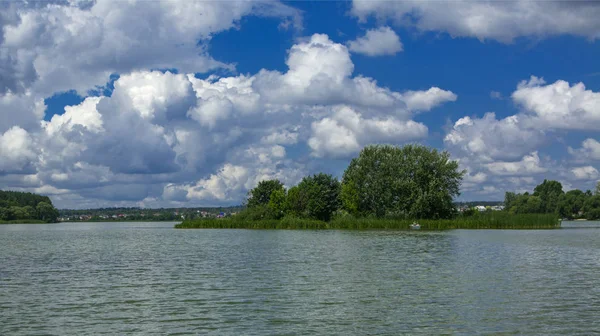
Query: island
x=392, y=187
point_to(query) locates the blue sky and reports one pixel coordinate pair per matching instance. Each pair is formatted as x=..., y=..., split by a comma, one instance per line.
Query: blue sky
x=193, y=103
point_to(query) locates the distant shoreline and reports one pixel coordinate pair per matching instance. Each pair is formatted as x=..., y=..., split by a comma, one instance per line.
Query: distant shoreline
x=22, y=221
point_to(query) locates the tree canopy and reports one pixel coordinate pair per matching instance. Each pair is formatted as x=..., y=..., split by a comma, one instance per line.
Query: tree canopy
x=548, y=197
x=315, y=197
x=413, y=181
x=261, y=194
x=15, y=205
x=549, y=193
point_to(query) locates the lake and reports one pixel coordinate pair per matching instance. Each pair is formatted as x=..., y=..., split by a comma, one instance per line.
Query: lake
x=150, y=279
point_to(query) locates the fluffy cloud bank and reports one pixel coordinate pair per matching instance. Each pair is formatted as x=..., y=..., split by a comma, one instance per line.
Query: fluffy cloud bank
x=508, y=146
x=496, y=20
x=166, y=138
x=53, y=47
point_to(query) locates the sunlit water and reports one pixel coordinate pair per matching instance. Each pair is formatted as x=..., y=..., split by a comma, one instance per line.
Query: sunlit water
x=147, y=278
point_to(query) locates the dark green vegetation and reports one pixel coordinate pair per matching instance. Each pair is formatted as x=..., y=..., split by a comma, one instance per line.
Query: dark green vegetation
x=484, y=220
x=21, y=207
x=385, y=187
x=410, y=182
x=139, y=214
x=549, y=197
x=402, y=182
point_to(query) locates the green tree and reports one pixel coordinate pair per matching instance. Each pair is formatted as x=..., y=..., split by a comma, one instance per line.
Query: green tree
x=30, y=212
x=6, y=214
x=549, y=193
x=591, y=207
x=571, y=203
x=411, y=181
x=597, y=190
x=46, y=212
x=262, y=193
x=19, y=212
x=295, y=202
x=277, y=203
x=349, y=197
x=315, y=197
x=509, y=198
x=526, y=203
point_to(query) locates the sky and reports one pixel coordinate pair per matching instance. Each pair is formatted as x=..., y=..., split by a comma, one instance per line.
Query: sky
x=186, y=103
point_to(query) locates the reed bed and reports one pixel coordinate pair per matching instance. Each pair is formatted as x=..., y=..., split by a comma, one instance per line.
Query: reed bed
x=493, y=220
x=23, y=221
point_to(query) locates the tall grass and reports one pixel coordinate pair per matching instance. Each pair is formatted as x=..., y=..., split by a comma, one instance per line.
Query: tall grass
x=23, y=221
x=488, y=220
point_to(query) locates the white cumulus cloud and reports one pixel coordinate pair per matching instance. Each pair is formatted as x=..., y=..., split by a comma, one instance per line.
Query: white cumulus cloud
x=529, y=164
x=585, y=173
x=377, y=42
x=503, y=21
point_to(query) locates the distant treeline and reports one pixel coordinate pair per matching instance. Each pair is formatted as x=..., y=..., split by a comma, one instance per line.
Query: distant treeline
x=145, y=214
x=24, y=206
x=549, y=197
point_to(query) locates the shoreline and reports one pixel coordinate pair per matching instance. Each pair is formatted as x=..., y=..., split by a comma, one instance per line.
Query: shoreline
x=501, y=222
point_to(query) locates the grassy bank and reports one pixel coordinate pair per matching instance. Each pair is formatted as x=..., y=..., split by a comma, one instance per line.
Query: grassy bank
x=23, y=221
x=493, y=220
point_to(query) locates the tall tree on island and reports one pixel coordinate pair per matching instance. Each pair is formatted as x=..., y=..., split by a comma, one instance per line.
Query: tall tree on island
x=413, y=181
x=549, y=192
x=261, y=195
x=315, y=197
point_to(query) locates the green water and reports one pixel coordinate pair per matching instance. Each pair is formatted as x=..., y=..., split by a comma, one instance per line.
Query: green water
x=150, y=279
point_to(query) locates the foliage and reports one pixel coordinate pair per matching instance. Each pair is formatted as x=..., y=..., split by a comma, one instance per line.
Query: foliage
x=349, y=197
x=294, y=202
x=549, y=193
x=262, y=193
x=21, y=206
x=487, y=220
x=571, y=204
x=591, y=207
x=411, y=181
x=277, y=203
x=509, y=199
x=526, y=204
x=315, y=197
x=548, y=197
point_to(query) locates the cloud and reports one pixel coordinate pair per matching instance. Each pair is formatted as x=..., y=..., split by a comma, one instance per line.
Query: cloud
x=530, y=164
x=503, y=21
x=508, y=149
x=558, y=105
x=54, y=47
x=590, y=149
x=24, y=110
x=177, y=139
x=490, y=139
x=426, y=100
x=16, y=151
x=495, y=95
x=585, y=173
x=347, y=131
x=377, y=42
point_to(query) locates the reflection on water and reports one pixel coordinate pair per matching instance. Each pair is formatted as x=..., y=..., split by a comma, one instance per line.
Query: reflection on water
x=145, y=278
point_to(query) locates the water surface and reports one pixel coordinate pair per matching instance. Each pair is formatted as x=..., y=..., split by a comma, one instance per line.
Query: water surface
x=147, y=278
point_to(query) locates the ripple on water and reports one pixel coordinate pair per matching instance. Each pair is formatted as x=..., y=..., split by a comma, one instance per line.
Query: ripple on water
x=118, y=278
